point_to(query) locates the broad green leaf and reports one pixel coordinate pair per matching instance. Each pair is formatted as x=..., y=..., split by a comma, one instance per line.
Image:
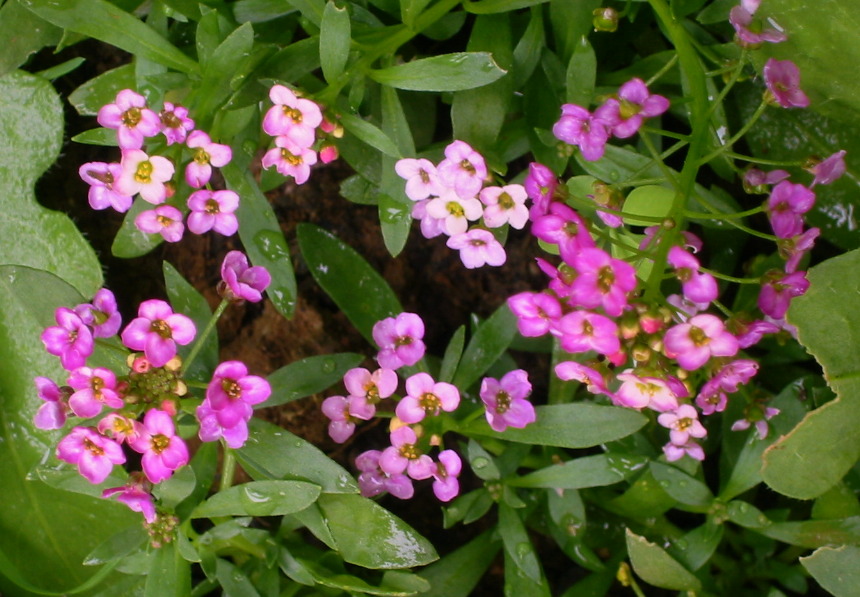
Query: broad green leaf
x=294, y=61
x=262, y=237
x=179, y=486
x=837, y=569
x=361, y=293
x=651, y=202
x=309, y=376
x=517, y=544
x=446, y=72
x=385, y=541
x=234, y=580
x=578, y=425
x=408, y=584
x=587, y=471
x=581, y=74
x=681, y=486
x=695, y=549
x=98, y=91
x=185, y=299
x=259, y=498
x=223, y=72
x=335, y=34
x=118, y=546
x=816, y=533
x=102, y=20
x=46, y=532
x=817, y=453
x=272, y=453
x=31, y=127
x=459, y=572
x=169, y=575
x=528, y=50
x=485, y=347
x=658, y=568
x=24, y=34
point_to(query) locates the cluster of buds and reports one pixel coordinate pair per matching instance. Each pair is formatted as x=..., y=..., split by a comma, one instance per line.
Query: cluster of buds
x=450, y=195
x=141, y=172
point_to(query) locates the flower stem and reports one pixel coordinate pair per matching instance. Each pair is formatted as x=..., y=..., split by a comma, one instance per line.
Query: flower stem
x=228, y=467
x=201, y=339
x=744, y=130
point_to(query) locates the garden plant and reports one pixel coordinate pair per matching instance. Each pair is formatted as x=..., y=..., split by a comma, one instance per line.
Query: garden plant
x=655, y=390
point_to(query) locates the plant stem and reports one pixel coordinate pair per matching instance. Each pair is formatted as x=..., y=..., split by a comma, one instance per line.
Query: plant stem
x=228, y=467
x=744, y=130
x=201, y=339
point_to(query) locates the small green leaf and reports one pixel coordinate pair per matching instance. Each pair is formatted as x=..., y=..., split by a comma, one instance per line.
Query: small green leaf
x=517, y=544
x=370, y=134
x=335, y=34
x=581, y=74
x=459, y=572
x=837, y=569
x=451, y=359
x=446, y=72
x=98, y=91
x=309, y=376
x=816, y=533
x=396, y=219
x=658, y=568
x=385, y=541
x=681, y=486
x=259, y=498
x=486, y=346
x=587, y=471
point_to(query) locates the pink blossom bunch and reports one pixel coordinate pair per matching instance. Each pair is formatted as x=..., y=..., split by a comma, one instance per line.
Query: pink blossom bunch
x=364, y=391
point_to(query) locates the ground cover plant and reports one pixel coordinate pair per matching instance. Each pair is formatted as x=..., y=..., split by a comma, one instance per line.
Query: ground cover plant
x=668, y=404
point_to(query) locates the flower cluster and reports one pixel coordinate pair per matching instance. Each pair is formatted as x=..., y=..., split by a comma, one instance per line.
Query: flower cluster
x=294, y=121
x=142, y=172
x=142, y=401
x=450, y=195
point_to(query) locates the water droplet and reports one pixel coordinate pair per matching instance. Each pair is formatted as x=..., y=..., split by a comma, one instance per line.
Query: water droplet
x=682, y=483
x=256, y=503
x=763, y=520
x=272, y=245
x=524, y=549
x=681, y=544
x=664, y=483
x=480, y=462
x=743, y=507
x=329, y=365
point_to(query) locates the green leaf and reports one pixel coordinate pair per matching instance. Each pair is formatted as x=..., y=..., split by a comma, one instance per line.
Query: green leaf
x=262, y=237
x=407, y=584
x=395, y=208
x=681, y=486
x=459, y=572
x=651, y=202
x=223, y=71
x=587, y=471
x=309, y=376
x=486, y=346
x=837, y=569
x=581, y=74
x=517, y=544
x=259, y=498
x=130, y=242
x=816, y=533
x=817, y=453
x=335, y=34
x=494, y=6
x=117, y=547
x=359, y=291
x=102, y=20
x=453, y=353
x=446, y=72
x=185, y=299
x=385, y=541
x=98, y=91
x=46, y=532
x=658, y=568
x=370, y=134
x=578, y=425
x=31, y=126
x=24, y=34
x=273, y=453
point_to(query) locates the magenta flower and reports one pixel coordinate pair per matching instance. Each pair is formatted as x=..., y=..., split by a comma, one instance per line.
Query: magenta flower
x=212, y=430
x=136, y=495
x=601, y=281
x=232, y=392
x=582, y=331
x=563, y=227
x=752, y=31
x=373, y=480
x=400, y=340
x=206, y=154
x=52, y=414
x=506, y=400
x=343, y=413
x=213, y=210
x=782, y=78
x=403, y=455
x=101, y=177
x=577, y=126
x=95, y=388
x=328, y=153
x=424, y=396
x=463, y=169
x=175, y=124
x=131, y=118
x=366, y=388
x=698, y=287
x=537, y=312
x=778, y=289
x=456, y=212
x=758, y=415
x=420, y=176
x=93, y=454
x=635, y=103
x=102, y=315
x=242, y=282
x=592, y=378
x=165, y=220
x=290, y=159
x=157, y=330
x=70, y=339
x=786, y=205
x=445, y=484
x=505, y=205
x=292, y=117
x=144, y=174
x=163, y=451
x=540, y=185
x=758, y=181
x=829, y=170
x=693, y=343
x=683, y=424
x=793, y=249
x=478, y=247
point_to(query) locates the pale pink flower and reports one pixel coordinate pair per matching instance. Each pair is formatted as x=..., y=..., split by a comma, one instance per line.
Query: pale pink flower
x=758, y=415
x=421, y=178
x=455, y=211
x=693, y=343
x=592, y=378
x=430, y=227
x=206, y=154
x=290, y=159
x=683, y=424
x=537, y=312
x=131, y=118
x=144, y=174
x=425, y=396
x=404, y=455
x=675, y=452
x=292, y=117
x=373, y=480
x=343, y=413
x=505, y=205
x=175, y=124
x=400, y=340
x=101, y=177
x=165, y=220
x=463, y=169
x=640, y=391
x=445, y=484
x=213, y=210
x=366, y=389
x=478, y=247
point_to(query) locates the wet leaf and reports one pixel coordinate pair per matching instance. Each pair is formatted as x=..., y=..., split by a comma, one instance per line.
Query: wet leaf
x=259, y=498
x=485, y=347
x=837, y=569
x=588, y=471
x=446, y=72
x=658, y=568
x=457, y=574
x=309, y=376
x=335, y=33
x=24, y=34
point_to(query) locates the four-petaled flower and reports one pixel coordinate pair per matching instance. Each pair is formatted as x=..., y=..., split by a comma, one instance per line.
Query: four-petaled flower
x=157, y=330
x=425, y=396
x=400, y=340
x=163, y=451
x=506, y=400
x=93, y=453
x=241, y=281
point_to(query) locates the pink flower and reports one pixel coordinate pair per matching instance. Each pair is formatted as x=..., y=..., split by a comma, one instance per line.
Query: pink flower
x=601, y=281
x=70, y=339
x=424, y=396
x=163, y=451
x=563, y=227
x=592, y=378
x=793, y=249
x=506, y=400
x=758, y=415
x=693, y=343
x=786, y=205
x=290, y=159
x=131, y=118
x=157, y=330
x=165, y=220
x=421, y=178
x=175, y=124
x=101, y=177
x=626, y=114
x=829, y=170
x=206, y=154
x=118, y=427
x=540, y=185
x=454, y=211
x=343, y=413
x=445, y=484
x=145, y=175
x=478, y=247
x=366, y=388
x=675, y=452
x=373, y=480
x=213, y=210
x=404, y=455
x=400, y=340
x=683, y=424
x=778, y=289
x=51, y=414
x=757, y=181
x=697, y=287
x=536, y=312
x=752, y=31
x=430, y=227
x=102, y=315
x=463, y=169
x=240, y=281
x=582, y=331
x=136, y=495
x=328, y=153
x=505, y=205
x=94, y=454
x=292, y=117
x=640, y=391
x=95, y=388
x=577, y=126
x=232, y=392
x=782, y=78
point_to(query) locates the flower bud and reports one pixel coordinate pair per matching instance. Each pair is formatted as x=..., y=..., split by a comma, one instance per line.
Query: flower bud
x=605, y=19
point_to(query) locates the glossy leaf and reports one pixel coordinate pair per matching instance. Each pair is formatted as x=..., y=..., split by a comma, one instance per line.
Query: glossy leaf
x=31, y=126
x=658, y=568
x=581, y=74
x=309, y=376
x=446, y=72
x=335, y=34
x=399, y=584
x=259, y=498
x=385, y=541
x=681, y=486
x=24, y=34
x=395, y=208
x=359, y=291
x=102, y=20
x=485, y=347
x=459, y=572
x=370, y=134
x=837, y=569
x=98, y=91
x=517, y=544
x=578, y=425
x=587, y=471
x=817, y=453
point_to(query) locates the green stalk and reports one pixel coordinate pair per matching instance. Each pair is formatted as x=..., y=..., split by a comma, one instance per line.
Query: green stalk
x=198, y=345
